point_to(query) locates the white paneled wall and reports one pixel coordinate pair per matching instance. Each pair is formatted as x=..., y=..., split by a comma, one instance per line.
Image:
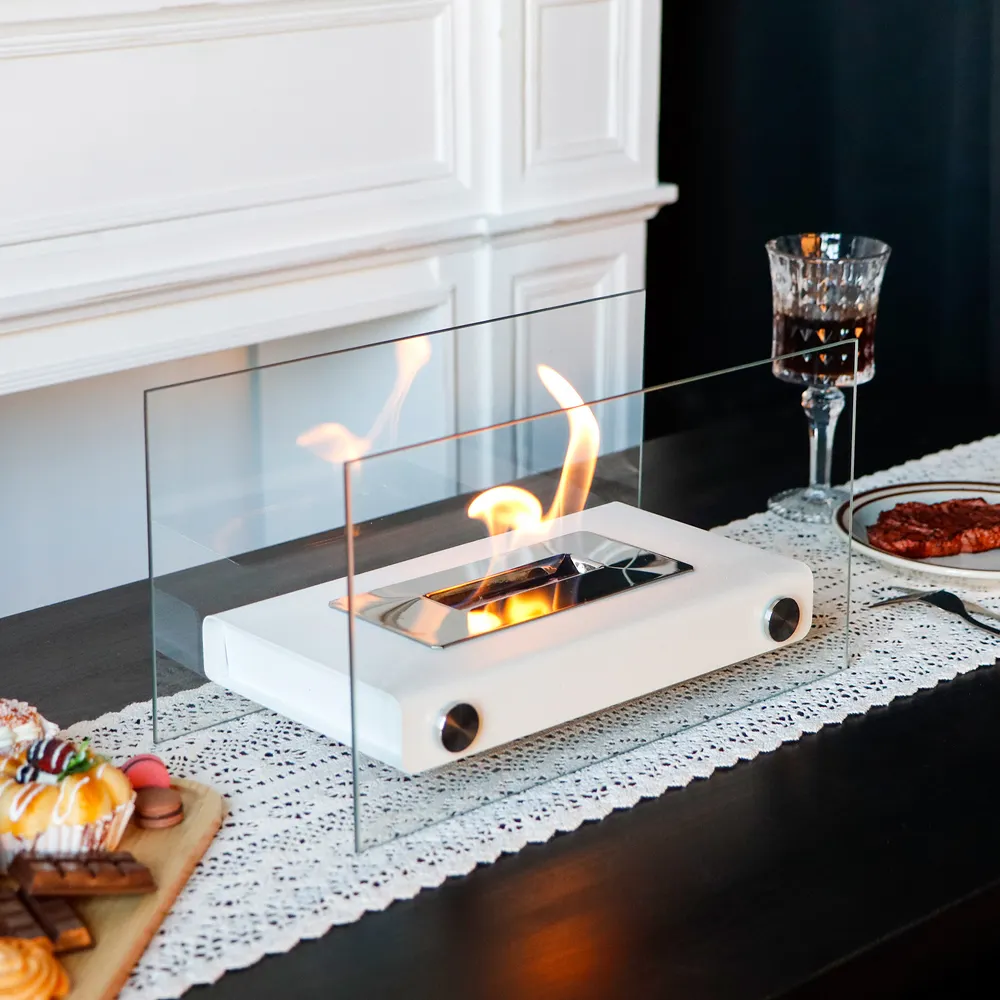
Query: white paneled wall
x=188, y=187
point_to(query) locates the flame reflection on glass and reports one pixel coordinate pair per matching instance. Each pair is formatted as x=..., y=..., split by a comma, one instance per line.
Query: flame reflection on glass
x=336, y=444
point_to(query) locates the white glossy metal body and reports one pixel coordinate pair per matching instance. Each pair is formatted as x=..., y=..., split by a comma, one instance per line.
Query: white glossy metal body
x=290, y=653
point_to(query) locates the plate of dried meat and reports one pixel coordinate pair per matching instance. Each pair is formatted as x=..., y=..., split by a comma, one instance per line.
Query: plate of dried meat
x=945, y=529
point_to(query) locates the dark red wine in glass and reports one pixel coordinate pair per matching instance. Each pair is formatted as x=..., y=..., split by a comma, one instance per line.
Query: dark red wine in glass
x=831, y=363
x=825, y=290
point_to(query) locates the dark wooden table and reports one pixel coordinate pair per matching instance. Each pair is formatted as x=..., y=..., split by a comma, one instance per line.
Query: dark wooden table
x=860, y=861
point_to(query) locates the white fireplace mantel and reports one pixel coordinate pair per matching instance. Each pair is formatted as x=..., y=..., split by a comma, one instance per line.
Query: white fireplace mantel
x=190, y=188
x=184, y=179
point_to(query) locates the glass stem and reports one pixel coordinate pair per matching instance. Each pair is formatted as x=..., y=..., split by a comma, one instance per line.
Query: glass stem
x=822, y=407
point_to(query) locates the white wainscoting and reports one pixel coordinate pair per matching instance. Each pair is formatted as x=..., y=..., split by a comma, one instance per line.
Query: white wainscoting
x=72, y=502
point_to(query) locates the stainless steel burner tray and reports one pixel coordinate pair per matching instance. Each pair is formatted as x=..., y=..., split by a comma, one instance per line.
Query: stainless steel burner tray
x=515, y=587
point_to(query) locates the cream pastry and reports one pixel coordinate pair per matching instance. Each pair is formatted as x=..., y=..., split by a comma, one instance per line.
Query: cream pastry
x=21, y=723
x=29, y=971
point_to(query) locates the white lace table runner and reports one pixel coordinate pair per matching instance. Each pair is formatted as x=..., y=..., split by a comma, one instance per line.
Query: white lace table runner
x=282, y=868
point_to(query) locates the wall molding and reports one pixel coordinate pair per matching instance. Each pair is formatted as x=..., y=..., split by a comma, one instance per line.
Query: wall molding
x=182, y=318
x=618, y=135
x=170, y=26
x=623, y=88
x=152, y=288
x=368, y=180
x=60, y=354
x=447, y=161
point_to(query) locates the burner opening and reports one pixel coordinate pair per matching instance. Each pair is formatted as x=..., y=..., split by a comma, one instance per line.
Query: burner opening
x=482, y=597
x=520, y=579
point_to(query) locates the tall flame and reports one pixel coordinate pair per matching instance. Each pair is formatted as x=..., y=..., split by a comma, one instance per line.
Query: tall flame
x=511, y=508
x=581, y=453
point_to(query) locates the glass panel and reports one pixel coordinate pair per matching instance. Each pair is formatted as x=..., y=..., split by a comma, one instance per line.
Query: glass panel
x=267, y=484
x=582, y=593
x=245, y=476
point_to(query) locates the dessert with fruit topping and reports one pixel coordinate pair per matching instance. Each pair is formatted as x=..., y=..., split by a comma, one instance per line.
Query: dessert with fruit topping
x=57, y=798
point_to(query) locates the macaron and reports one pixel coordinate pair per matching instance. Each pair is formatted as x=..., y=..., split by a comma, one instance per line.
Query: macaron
x=158, y=808
x=146, y=771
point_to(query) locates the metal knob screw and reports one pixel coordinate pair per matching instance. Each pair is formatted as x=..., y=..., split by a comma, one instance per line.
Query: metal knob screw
x=782, y=618
x=459, y=727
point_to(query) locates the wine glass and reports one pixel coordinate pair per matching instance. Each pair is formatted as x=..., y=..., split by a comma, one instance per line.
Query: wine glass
x=825, y=289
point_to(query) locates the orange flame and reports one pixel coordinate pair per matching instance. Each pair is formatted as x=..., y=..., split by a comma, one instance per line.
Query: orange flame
x=507, y=508
x=511, y=611
x=481, y=620
x=581, y=453
x=337, y=444
x=511, y=508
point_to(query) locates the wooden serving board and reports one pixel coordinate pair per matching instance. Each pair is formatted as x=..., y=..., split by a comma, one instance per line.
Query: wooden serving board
x=122, y=926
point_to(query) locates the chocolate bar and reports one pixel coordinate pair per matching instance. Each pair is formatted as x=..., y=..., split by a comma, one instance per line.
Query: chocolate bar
x=59, y=921
x=52, y=920
x=103, y=873
x=16, y=921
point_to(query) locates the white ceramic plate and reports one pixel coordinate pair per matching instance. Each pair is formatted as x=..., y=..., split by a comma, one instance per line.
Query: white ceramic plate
x=868, y=505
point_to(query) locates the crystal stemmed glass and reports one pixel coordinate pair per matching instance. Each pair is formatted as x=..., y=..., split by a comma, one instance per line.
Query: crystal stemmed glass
x=825, y=290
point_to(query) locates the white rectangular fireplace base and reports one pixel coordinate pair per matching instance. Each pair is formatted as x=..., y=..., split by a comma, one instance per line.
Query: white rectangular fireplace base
x=290, y=653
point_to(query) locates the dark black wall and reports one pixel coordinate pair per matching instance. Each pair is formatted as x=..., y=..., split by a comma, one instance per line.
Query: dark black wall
x=870, y=116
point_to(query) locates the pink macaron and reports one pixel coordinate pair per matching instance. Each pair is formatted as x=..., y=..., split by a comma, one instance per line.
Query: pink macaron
x=146, y=771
